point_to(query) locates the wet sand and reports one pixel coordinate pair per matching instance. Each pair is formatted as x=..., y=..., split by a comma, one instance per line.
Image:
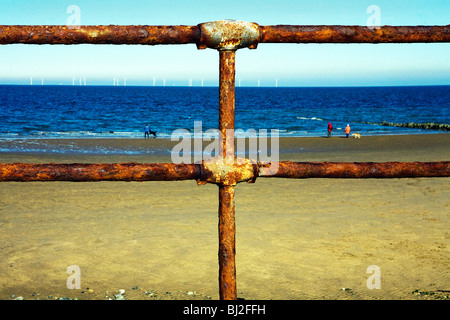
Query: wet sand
x=296, y=239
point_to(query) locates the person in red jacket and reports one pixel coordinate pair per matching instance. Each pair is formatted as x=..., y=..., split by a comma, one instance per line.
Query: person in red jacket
x=330, y=127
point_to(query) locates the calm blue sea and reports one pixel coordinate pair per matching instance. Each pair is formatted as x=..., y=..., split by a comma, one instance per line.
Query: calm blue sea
x=121, y=112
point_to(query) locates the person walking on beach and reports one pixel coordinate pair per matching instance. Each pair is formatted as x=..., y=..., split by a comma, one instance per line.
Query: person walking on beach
x=148, y=132
x=330, y=127
x=347, y=130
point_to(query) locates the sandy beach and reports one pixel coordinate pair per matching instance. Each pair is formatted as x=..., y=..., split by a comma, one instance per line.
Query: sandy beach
x=304, y=239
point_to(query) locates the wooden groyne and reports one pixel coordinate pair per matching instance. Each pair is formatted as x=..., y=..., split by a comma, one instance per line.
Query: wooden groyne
x=426, y=125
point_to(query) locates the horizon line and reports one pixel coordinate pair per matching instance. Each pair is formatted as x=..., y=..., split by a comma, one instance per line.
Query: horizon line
x=216, y=86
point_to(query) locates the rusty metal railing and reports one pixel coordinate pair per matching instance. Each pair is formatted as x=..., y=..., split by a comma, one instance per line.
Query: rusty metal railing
x=226, y=36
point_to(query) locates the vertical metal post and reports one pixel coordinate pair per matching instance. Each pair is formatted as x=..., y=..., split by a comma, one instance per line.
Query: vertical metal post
x=227, y=247
x=226, y=102
x=227, y=227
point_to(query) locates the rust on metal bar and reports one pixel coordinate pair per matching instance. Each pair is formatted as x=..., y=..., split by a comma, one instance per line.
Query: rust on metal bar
x=217, y=171
x=26, y=172
x=113, y=34
x=353, y=34
x=237, y=34
x=227, y=244
x=227, y=229
x=228, y=35
x=359, y=170
x=226, y=102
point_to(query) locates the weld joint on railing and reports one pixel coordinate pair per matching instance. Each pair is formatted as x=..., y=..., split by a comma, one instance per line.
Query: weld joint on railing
x=218, y=171
x=229, y=35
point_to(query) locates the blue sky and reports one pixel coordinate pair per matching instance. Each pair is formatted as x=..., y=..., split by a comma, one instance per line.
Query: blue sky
x=291, y=64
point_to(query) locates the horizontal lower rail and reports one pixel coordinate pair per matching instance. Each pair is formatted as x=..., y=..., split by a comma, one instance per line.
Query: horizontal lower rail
x=98, y=172
x=156, y=35
x=26, y=172
x=303, y=170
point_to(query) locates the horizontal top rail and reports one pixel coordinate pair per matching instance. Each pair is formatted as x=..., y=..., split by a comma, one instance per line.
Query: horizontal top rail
x=354, y=34
x=157, y=35
x=112, y=34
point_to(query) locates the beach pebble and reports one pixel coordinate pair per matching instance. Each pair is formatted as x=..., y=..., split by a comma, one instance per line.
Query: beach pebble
x=135, y=288
x=150, y=293
x=190, y=293
x=120, y=296
x=19, y=298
